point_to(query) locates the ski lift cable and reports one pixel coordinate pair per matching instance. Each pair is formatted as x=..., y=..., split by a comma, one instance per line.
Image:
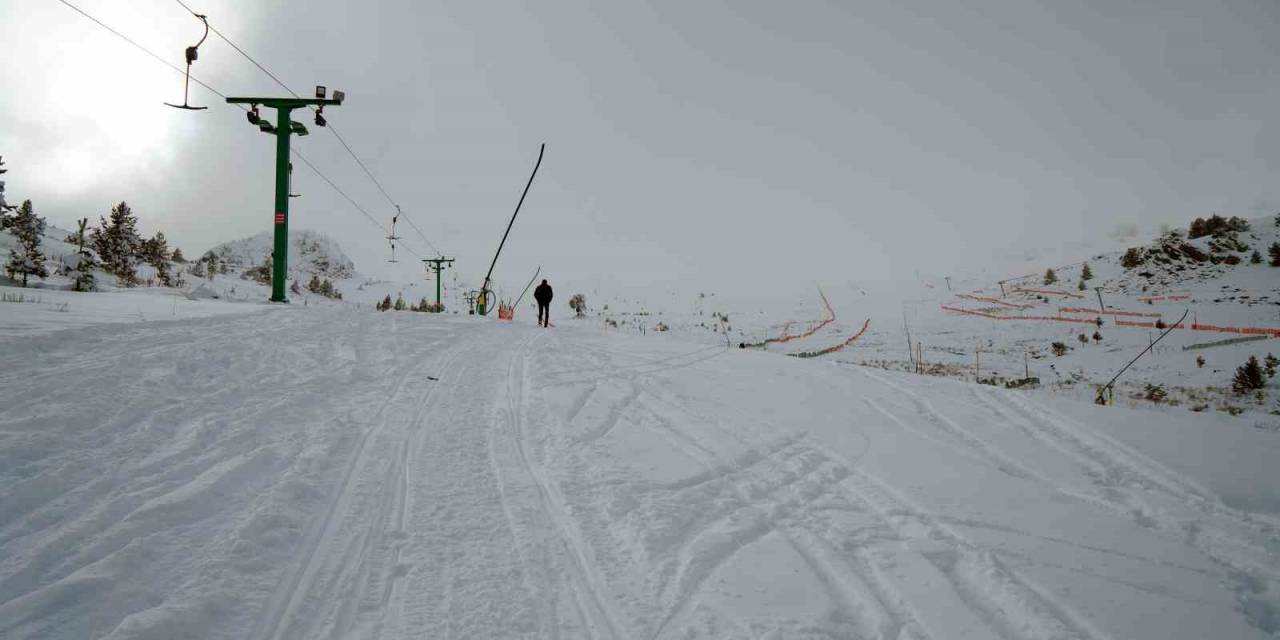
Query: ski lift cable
x=141, y=48
x=222, y=95
x=330, y=127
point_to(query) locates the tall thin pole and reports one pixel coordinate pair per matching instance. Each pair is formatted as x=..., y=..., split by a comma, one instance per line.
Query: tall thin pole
x=485, y=286
x=280, y=256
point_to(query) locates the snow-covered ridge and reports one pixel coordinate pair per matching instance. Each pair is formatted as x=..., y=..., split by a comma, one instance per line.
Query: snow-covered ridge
x=310, y=253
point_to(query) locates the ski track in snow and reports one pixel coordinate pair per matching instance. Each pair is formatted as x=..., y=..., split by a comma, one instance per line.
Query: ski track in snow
x=297, y=475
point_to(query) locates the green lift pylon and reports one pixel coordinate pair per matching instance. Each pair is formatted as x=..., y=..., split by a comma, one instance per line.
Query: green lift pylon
x=437, y=265
x=285, y=126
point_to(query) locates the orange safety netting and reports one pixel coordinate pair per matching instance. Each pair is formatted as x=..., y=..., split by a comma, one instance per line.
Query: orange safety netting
x=1255, y=331
x=997, y=317
x=1109, y=312
x=994, y=300
x=836, y=347
x=505, y=312
x=1049, y=292
x=787, y=337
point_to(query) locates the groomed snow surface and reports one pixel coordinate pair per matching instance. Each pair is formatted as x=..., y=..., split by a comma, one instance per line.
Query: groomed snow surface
x=288, y=472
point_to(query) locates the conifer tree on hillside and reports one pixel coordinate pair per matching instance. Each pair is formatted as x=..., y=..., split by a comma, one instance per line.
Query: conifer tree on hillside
x=1132, y=257
x=1086, y=273
x=399, y=303
x=83, y=279
x=178, y=257
x=385, y=304
x=261, y=273
x=117, y=243
x=1274, y=252
x=26, y=259
x=1050, y=277
x=4, y=206
x=1081, y=286
x=1248, y=377
x=1256, y=258
x=210, y=264
x=155, y=251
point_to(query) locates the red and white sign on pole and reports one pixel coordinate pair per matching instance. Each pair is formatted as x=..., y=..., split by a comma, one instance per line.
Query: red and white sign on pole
x=279, y=218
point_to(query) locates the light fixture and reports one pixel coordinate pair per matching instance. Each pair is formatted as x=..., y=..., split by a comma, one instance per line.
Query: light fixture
x=320, y=91
x=339, y=96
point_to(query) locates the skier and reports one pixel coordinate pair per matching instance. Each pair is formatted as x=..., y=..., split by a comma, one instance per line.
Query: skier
x=543, y=295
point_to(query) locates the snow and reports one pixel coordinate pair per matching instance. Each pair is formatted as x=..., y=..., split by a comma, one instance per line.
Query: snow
x=310, y=252
x=177, y=468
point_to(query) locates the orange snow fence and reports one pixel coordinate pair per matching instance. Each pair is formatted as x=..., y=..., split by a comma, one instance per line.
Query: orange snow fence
x=836, y=347
x=1273, y=332
x=994, y=301
x=1249, y=331
x=787, y=337
x=1049, y=292
x=996, y=317
x=1109, y=312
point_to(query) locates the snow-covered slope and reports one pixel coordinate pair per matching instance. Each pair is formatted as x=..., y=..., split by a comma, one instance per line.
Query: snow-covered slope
x=939, y=315
x=310, y=253
x=336, y=472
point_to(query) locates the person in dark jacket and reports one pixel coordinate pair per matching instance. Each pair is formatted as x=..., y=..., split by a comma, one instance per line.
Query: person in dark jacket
x=543, y=295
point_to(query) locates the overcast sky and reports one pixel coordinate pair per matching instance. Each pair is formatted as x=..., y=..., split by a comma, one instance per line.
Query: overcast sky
x=697, y=145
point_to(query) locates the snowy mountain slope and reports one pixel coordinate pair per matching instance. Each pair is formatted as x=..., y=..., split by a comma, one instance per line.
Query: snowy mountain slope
x=965, y=346
x=337, y=472
x=310, y=253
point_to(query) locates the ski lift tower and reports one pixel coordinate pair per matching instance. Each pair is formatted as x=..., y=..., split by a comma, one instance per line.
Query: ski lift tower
x=285, y=126
x=437, y=265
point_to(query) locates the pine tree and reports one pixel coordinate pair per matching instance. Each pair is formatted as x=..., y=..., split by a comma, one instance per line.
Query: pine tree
x=210, y=264
x=1086, y=273
x=1132, y=257
x=386, y=303
x=1269, y=365
x=1081, y=286
x=26, y=258
x=1274, y=252
x=1050, y=277
x=117, y=243
x=4, y=206
x=155, y=251
x=399, y=303
x=178, y=257
x=197, y=268
x=1248, y=377
x=84, y=280
x=1256, y=258
x=261, y=273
